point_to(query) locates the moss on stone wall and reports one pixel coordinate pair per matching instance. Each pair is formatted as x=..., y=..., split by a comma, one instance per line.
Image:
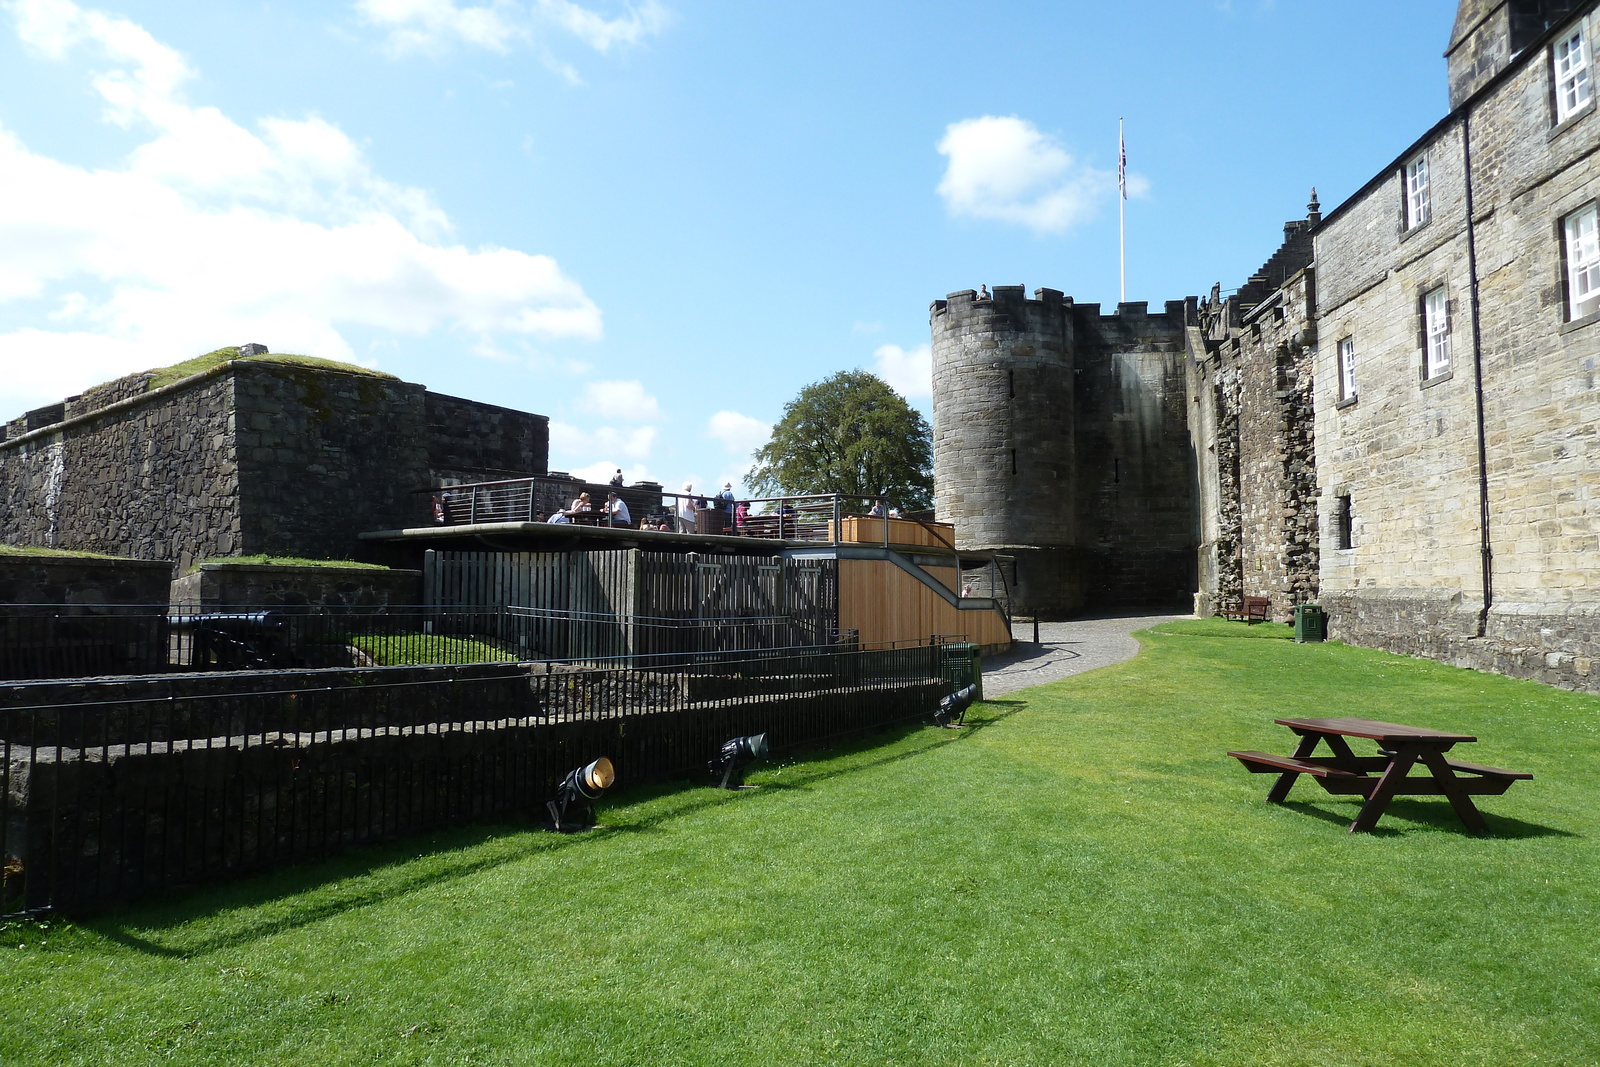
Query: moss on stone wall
x=27, y=550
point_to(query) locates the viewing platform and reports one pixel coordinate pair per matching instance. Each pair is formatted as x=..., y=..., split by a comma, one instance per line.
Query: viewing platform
x=899, y=578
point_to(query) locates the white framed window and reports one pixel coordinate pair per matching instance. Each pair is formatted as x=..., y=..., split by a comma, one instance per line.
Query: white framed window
x=1583, y=262
x=1571, y=62
x=1347, y=369
x=1436, y=329
x=1418, y=207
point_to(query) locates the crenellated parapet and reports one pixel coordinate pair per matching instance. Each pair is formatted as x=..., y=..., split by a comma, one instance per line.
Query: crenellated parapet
x=1053, y=424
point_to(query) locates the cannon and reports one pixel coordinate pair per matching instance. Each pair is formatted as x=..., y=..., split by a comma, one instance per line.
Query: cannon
x=243, y=641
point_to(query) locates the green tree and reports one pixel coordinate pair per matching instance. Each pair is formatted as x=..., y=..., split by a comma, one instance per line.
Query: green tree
x=848, y=434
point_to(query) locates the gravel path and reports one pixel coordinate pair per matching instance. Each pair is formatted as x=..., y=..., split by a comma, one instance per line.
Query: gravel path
x=1065, y=649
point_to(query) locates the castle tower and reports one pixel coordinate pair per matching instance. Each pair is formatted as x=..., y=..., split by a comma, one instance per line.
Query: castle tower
x=1060, y=438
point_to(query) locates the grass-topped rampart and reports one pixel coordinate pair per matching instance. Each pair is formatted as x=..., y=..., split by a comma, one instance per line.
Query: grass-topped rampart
x=199, y=364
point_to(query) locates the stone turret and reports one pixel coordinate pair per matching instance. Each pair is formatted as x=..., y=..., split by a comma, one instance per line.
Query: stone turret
x=1002, y=408
x=1059, y=437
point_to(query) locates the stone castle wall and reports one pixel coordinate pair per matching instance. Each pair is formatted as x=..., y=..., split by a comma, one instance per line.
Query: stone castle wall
x=248, y=457
x=1058, y=438
x=153, y=477
x=469, y=441
x=81, y=583
x=227, y=585
x=324, y=456
x=1251, y=389
x=1136, y=503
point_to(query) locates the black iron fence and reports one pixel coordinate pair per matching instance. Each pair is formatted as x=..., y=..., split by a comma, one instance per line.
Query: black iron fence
x=86, y=640
x=51, y=643
x=113, y=789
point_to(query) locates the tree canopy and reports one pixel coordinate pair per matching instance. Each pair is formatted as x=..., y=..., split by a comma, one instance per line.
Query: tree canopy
x=848, y=434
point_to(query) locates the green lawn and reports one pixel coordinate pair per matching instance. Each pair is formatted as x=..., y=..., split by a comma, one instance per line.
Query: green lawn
x=413, y=649
x=1084, y=878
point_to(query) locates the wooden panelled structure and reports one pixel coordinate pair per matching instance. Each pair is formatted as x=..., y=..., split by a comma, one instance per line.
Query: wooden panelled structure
x=861, y=529
x=884, y=603
x=596, y=605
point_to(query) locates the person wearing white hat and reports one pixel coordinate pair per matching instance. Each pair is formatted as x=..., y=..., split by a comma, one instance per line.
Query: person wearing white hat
x=686, y=510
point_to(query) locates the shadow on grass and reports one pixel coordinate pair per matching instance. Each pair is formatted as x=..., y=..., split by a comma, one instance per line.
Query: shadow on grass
x=380, y=873
x=1431, y=815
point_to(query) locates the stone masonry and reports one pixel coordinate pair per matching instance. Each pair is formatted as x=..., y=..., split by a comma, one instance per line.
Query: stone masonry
x=1251, y=385
x=1475, y=492
x=1059, y=439
x=1446, y=507
x=250, y=456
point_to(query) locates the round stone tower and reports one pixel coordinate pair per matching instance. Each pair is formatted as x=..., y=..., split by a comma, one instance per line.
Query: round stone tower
x=1004, y=449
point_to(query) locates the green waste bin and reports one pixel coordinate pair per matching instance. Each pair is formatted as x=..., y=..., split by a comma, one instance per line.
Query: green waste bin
x=1310, y=623
x=962, y=664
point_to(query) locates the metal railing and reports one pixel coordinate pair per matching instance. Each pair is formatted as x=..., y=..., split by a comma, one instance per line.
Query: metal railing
x=46, y=642
x=815, y=517
x=117, y=789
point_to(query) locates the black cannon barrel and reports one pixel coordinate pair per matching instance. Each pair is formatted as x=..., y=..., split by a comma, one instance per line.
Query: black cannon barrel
x=255, y=622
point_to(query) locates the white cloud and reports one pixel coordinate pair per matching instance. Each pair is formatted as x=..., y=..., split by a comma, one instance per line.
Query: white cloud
x=739, y=434
x=431, y=25
x=170, y=254
x=625, y=401
x=908, y=373
x=579, y=443
x=601, y=33
x=427, y=25
x=1002, y=168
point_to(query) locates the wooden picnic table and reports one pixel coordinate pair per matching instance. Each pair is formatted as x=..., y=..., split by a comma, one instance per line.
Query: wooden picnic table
x=1382, y=777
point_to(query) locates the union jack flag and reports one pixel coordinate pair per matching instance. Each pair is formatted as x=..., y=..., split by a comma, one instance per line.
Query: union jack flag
x=1122, y=166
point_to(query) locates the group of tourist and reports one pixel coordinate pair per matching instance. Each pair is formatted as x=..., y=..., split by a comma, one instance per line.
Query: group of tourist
x=615, y=509
x=690, y=506
x=684, y=517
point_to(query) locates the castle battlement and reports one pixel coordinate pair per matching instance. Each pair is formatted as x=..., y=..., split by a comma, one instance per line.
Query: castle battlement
x=1013, y=298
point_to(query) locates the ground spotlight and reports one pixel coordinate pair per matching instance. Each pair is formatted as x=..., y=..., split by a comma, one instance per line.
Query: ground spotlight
x=952, y=710
x=735, y=756
x=572, y=808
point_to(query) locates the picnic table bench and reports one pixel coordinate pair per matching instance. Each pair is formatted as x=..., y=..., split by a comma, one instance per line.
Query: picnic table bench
x=1250, y=609
x=1384, y=776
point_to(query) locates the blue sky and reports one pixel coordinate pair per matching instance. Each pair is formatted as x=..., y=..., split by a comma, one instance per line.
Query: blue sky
x=654, y=222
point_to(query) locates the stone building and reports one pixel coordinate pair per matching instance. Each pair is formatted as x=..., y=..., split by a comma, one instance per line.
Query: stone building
x=1398, y=416
x=1059, y=437
x=1459, y=323
x=251, y=455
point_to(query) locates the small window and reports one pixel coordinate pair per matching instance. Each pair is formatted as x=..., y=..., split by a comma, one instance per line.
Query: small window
x=1436, y=332
x=1343, y=524
x=1583, y=262
x=1418, y=207
x=1571, y=55
x=1347, y=369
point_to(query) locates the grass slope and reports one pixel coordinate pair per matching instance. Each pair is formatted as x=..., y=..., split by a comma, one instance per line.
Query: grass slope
x=1084, y=878
x=414, y=649
x=168, y=375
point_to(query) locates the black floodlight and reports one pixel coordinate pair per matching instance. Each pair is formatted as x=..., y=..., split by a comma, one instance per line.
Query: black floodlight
x=572, y=808
x=952, y=710
x=735, y=756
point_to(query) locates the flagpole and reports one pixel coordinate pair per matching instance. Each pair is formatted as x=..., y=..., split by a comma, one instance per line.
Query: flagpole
x=1122, y=202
